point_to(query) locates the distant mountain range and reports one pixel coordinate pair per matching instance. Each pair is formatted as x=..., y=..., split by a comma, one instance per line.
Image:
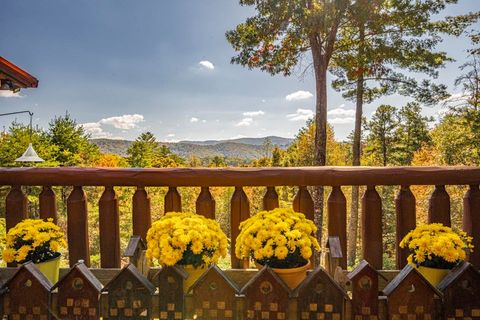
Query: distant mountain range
x=242, y=148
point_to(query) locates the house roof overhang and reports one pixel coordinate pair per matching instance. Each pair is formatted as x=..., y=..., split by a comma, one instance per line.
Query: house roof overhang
x=15, y=77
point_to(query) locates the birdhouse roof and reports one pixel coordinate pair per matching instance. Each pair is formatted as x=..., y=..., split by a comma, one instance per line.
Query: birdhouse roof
x=361, y=266
x=404, y=273
x=33, y=270
x=88, y=275
x=456, y=272
x=177, y=269
x=130, y=269
x=222, y=275
x=312, y=275
x=265, y=269
x=135, y=243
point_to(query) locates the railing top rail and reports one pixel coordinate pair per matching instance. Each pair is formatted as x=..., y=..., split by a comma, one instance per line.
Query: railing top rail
x=294, y=176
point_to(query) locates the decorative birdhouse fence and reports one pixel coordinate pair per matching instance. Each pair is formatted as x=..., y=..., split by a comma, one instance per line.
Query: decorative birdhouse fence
x=237, y=294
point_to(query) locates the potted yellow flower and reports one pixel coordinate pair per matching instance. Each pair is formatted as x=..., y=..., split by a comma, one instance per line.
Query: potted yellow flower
x=436, y=249
x=186, y=239
x=38, y=241
x=281, y=239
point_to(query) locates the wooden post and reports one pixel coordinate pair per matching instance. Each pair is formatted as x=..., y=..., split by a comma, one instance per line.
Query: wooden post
x=337, y=220
x=109, y=229
x=16, y=210
x=303, y=202
x=141, y=214
x=372, y=228
x=439, y=207
x=406, y=221
x=16, y=207
x=270, y=199
x=77, y=224
x=240, y=211
x=471, y=221
x=173, y=200
x=48, y=204
x=205, y=204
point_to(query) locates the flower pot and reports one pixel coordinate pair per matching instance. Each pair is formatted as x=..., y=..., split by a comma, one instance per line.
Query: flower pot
x=292, y=276
x=193, y=275
x=433, y=275
x=50, y=269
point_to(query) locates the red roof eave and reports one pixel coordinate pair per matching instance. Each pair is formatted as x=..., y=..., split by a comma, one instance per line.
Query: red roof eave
x=16, y=74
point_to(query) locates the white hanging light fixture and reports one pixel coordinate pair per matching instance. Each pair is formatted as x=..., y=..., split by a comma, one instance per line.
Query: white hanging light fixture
x=30, y=155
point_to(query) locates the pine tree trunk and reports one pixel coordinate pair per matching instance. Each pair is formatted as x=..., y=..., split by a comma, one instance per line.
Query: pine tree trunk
x=356, y=153
x=353, y=223
x=320, y=67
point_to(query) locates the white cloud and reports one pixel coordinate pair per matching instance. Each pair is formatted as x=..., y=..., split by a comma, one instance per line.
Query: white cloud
x=204, y=121
x=340, y=115
x=239, y=136
x=341, y=112
x=245, y=122
x=206, y=64
x=127, y=121
x=301, y=115
x=254, y=113
x=341, y=120
x=299, y=95
x=9, y=94
x=95, y=130
x=193, y=119
x=171, y=138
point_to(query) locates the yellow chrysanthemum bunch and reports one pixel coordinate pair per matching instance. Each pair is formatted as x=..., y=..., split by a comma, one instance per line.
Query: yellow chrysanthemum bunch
x=186, y=238
x=436, y=246
x=281, y=238
x=33, y=240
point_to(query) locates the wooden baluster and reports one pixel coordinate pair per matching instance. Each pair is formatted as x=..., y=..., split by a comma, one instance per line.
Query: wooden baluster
x=406, y=221
x=173, y=200
x=372, y=228
x=15, y=206
x=205, y=204
x=141, y=213
x=16, y=210
x=48, y=204
x=109, y=229
x=303, y=202
x=439, y=207
x=77, y=225
x=270, y=199
x=239, y=211
x=337, y=220
x=471, y=221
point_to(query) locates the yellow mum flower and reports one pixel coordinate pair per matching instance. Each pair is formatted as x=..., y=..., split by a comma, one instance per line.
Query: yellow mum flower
x=435, y=245
x=285, y=232
x=180, y=237
x=30, y=235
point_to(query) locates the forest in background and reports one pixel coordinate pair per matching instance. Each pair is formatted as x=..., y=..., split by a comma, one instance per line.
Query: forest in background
x=393, y=136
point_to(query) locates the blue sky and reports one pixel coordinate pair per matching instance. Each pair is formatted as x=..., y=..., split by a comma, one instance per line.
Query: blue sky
x=122, y=67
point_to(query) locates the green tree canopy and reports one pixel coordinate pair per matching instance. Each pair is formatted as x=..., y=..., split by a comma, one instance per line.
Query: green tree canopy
x=72, y=142
x=146, y=152
x=412, y=133
x=381, y=137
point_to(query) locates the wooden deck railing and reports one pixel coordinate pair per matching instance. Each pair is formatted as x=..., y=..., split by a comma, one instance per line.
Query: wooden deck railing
x=336, y=177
